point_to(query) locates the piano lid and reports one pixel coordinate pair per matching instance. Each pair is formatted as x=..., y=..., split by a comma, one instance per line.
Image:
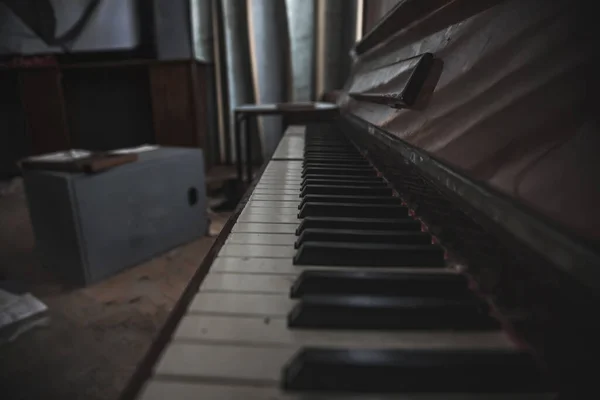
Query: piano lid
x=507, y=101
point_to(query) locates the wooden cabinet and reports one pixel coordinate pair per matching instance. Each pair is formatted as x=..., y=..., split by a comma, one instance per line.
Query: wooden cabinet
x=44, y=108
x=107, y=105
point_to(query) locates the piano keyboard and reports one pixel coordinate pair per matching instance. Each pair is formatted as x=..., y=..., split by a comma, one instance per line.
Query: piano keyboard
x=326, y=288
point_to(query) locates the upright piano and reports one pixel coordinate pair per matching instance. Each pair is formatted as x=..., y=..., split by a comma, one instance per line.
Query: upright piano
x=437, y=240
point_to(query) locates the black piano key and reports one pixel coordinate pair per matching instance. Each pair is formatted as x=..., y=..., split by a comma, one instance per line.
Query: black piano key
x=347, y=190
x=326, y=160
x=391, y=224
x=329, y=150
x=413, y=370
x=335, y=157
x=378, y=312
x=369, y=254
x=330, y=145
x=362, y=236
x=364, y=171
x=334, y=177
x=316, y=282
x=322, y=154
x=352, y=210
x=374, y=181
x=340, y=164
x=323, y=198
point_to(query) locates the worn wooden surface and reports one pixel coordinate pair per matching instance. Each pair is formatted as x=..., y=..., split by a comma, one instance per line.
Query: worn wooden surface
x=178, y=104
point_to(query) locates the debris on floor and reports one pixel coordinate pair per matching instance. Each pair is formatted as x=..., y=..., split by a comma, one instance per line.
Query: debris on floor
x=18, y=314
x=97, y=335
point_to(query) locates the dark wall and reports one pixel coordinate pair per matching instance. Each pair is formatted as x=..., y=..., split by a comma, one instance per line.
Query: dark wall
x=13, y=139
x=108, y=108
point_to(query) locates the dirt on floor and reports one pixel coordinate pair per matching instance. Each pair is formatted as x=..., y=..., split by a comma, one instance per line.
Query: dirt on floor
x=96, y=335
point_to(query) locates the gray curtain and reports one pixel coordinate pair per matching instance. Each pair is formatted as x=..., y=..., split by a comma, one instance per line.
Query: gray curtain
x=269, y=51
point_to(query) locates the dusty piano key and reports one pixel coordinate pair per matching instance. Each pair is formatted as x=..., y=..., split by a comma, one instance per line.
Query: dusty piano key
x=375, y=181
x=246, y=283
x=314, y=153
x=269, y=210
x=310, y=148
x=276, y=197
x=363, y=171
x=377, y=312
x=324, y=198
x=369, y=254
x=277, y=186
x=327, y=160
x=257, y=227
x=259, y=190
x=263, y=265
x=335, y=157
x=330, y=147
x=362, y=236
x=268, y=218
x=347, y=190
x=328, y=282
x=275, y=204
x=311, y=209
x=252, y=329
x=462, y=371
x=254, y=250
x=322, y=154
x=340, y=164
x=337, y=177
x=392, y=224
x=261, y=238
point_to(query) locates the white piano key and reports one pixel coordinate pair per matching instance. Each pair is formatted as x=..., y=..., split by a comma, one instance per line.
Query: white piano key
x=282, y=177
x=299, y=130
x=252, y=283
x=258, y=331
x=241, y=304
x=285, y=164
x=288, y=153
x=297, y=172
x=260, y=265
x=277, y=191
x=282, y=173
x=286, y=168
x=255, y=227
x=241, y=364
x=269, y=204
x=296, y=185
x=261, y=238
x=247, y=283
x=288, y=164
x=158, y=389
x=269, y=219
x=279, y=178
x=271, y=210
x=272, y=171
x=257, y=250
x=289, y=181
x=276, y=197
x=278, y=186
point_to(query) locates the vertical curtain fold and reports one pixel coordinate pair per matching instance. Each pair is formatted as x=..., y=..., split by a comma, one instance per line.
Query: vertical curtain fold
x=270, y=51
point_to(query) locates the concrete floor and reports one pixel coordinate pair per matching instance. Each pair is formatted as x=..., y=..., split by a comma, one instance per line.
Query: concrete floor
x=96, y=335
